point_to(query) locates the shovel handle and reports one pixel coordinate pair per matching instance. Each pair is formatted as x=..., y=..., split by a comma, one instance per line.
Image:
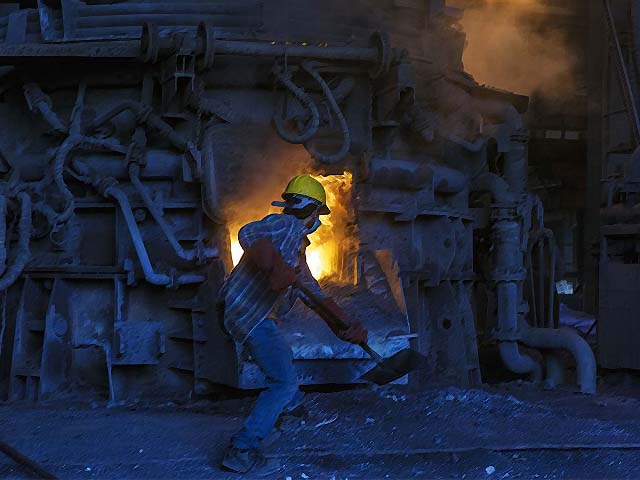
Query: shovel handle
x=372, y=353
x=318, y=305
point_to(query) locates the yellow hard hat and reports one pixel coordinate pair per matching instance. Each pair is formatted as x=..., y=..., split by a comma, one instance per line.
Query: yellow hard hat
x=309, y=187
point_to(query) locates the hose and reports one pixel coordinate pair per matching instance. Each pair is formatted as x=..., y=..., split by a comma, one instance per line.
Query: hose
x=71, y=143
x=36, y=99
x=144, y=115
x=306, y=101
x=308, y=66
x=158, y=215
x=24, y=236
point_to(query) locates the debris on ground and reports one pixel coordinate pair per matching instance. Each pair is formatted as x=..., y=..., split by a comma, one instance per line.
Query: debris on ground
x=515, y=432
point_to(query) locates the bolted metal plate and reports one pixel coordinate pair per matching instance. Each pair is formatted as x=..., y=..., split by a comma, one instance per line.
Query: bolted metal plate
x=138, y=343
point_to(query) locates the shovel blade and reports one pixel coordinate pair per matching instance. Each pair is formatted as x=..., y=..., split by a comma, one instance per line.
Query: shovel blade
x=395, y=367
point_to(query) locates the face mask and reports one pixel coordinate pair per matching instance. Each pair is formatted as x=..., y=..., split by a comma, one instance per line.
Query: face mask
x=314, y=227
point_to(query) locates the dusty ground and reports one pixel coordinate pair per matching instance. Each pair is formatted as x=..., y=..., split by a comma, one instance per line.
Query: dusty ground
x=510, y=431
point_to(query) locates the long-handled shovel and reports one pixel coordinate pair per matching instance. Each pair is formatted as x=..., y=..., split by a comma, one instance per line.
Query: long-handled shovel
x=19, y=458
x=386, y=370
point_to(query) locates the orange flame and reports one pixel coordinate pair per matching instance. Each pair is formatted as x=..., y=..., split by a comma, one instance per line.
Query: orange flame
x=334, y=238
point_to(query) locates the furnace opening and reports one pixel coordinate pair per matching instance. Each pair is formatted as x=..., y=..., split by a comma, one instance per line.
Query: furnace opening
x=331, y=256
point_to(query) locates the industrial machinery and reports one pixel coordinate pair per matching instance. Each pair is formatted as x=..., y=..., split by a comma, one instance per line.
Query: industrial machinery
x=137, y=137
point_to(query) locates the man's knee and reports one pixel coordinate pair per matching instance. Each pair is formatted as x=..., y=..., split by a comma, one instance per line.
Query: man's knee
x=287, y=385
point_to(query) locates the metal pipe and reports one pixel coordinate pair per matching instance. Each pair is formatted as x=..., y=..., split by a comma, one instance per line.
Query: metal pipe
x=269, y=49
x=544, y=320
x=539, y=238
x=24, y=236
x=552, y=283
x=532, y=291
x=635, y=34
x=51, y=117
x=565, y=339
x=623, y=75
x=3, y=235
x=158, y=215
x=513, y=359
x=189, y=278
x=71, y=143
x=237, y=8
x=149, y=273
x=494, y=184
x=507, y=266
x=145, y=115
x=515, y=164
x=38, y=100
x=554, y=369
x=167, y=19
x=211, y=205
x=447, y=180
x=476, y=146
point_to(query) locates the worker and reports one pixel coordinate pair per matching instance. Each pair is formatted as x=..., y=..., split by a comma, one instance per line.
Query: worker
x=261, y=283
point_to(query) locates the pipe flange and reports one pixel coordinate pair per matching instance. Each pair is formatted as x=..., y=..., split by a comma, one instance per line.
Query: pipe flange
x=506, y=335
x=520, y=136
x=207, y=39
x=150, y=43
x=504, y=213
x=511, y=276
x=104, y=185
x=380, y=41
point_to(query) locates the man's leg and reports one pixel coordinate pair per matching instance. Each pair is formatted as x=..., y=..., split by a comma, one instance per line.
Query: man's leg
x=273, y=355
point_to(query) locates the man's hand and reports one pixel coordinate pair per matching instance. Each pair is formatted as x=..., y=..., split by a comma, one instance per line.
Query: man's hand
x=269, y=260
x=354, y=333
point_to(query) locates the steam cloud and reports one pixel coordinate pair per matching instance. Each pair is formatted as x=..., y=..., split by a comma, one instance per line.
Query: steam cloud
x=508, y=48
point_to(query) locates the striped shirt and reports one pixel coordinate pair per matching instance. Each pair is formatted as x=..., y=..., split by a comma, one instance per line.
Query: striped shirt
x=247, y=294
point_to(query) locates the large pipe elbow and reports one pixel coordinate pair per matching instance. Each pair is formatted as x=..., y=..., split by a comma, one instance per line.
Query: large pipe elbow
x=517, y=362
x=566, y=339
x=513, y=359
x=447, y=180
x=503, y=111
x=495, y=185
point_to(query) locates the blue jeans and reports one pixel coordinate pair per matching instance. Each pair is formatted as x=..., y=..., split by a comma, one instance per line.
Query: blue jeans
x=273, y=355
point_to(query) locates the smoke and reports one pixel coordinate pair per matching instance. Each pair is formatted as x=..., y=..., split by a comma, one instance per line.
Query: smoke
x=511, y=46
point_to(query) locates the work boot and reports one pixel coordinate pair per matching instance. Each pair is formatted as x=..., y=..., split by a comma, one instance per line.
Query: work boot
x=240, y=460
x=293, y=419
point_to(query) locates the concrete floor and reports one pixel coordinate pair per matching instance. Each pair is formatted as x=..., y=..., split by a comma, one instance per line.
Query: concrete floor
x=510, y=431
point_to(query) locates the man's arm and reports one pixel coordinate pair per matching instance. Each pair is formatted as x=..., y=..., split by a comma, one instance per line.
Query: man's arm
x=257, y=241
x=355, y=332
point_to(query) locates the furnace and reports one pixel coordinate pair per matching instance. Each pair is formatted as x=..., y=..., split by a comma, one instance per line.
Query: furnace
x=128, y=171
x=333, y=249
